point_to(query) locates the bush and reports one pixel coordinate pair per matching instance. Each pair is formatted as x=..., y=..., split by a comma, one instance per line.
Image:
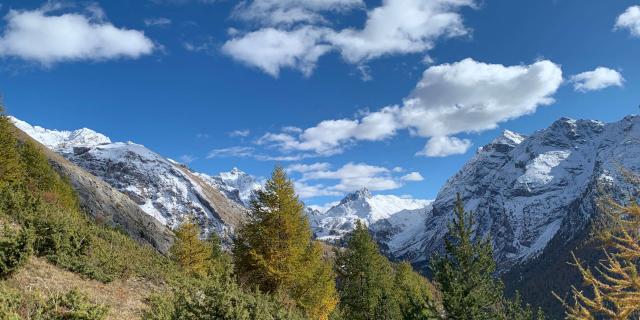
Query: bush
x=15, y=248
x=72, y=305
x=217, y=297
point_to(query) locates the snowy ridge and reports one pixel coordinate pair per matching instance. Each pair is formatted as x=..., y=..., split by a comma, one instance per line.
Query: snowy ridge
x=62, y=140
x=362, y=206
x=163, y=188
x=527, y=190
x=236, y=184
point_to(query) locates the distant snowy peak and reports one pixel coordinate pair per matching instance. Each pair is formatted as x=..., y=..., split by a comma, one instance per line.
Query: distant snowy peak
x=360, y=205
x=62, y=140
x=236, y=184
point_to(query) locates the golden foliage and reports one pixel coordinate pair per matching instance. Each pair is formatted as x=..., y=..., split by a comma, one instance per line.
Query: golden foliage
x=615, y=282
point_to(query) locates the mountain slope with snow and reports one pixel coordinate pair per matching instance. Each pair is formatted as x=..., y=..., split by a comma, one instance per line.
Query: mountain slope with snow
x=164, y=189
x=362, y=206
x=527, y=190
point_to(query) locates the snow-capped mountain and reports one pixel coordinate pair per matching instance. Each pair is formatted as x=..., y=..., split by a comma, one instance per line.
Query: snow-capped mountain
x=236, y=184
x=163, y=188
x=360, y=205
x=527, y=190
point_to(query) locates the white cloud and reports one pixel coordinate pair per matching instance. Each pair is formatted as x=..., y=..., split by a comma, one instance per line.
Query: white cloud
x=239, y=133
x=206, y=45
x=352, y=176
x=466, y=96
x=187, y=158
x=401, y=26
x=294, y=34
x=324, y=207
x=271, y=49
x=330, y=136
x=597, y=79
x=306, y=191
x=231, y=152
x=443, y=146
x=287, y=12
x=302, y=168
x=42, y=37
x=157, y=22
x=413, y=176
x=630, y=20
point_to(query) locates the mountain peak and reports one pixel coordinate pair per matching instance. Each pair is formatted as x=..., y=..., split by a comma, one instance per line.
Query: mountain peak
x=362, y=193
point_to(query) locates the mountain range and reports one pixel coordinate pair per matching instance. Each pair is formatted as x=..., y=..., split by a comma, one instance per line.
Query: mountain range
x=533, y=195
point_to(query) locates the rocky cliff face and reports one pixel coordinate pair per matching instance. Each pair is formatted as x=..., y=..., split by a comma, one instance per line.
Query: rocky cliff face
x=164, y=189
x=526, y=191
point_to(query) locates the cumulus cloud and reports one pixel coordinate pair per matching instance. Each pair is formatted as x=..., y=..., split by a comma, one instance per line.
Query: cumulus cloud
x=413, y=176
x=395, y=27
x=445, y=146
x=401, y=26
x=46, y=38
x=271, y=49
x=287, y=12
x=466, y=96
x=352, y=176
x=157, y=22
x=597, y=79
x=630, y=20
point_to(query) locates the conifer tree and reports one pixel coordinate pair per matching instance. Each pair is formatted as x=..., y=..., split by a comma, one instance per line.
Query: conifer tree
x=415, y=294
x=274, y=251
x=615, y=284
x=464, y=273
x=191, y=253
x=365, y=280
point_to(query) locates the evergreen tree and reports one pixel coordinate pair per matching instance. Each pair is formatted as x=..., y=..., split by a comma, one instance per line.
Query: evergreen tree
x=274, y=251
x=365, y=280
x=415, y=294
x=191, y=253
x=465, y=273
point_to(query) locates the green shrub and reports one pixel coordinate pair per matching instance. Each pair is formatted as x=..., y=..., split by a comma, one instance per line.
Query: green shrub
x=216, y=297
x=72, y=305
x=15, y=248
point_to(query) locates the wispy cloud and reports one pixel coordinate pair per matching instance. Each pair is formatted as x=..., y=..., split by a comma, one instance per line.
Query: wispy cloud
x=157, y=22
x=239, y=133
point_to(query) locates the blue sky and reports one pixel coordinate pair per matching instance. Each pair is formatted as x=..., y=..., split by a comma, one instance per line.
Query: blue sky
x=393, y=94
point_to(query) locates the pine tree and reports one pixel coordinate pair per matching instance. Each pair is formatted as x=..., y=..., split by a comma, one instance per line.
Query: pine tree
x=365, y=280
x=415, y=294
x=274, y=251
x=191, y=253
x=465, y=272
x=615, y=284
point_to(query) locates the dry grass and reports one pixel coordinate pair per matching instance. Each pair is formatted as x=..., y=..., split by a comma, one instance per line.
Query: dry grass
x=125, y=298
